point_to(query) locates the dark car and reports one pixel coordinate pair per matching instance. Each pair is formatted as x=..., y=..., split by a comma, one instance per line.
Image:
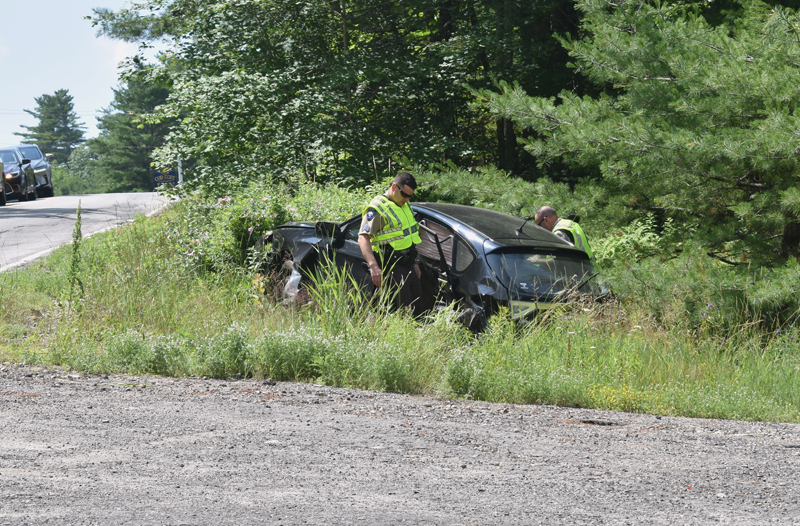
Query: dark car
x=480, y=258
x=18, y=178
x=42, y=170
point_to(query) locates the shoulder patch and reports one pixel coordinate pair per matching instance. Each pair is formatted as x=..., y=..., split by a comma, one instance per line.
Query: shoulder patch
x=370, y=215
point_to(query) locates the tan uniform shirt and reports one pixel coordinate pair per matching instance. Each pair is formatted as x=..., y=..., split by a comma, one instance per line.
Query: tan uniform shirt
x=371, y=223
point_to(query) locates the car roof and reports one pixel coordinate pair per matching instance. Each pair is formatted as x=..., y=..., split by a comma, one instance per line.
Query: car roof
x=497, y=226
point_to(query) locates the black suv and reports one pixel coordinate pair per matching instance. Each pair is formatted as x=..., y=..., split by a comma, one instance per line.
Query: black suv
x=19, y=181
x=42, y=170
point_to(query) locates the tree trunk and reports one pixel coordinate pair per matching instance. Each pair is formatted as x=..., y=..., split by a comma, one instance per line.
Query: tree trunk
x=506, y=145
x=338, y=9
x=791, y=238
x=445, y=22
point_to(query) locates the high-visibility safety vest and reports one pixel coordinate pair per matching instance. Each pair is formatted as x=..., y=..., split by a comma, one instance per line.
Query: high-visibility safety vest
x=577, y=234
x=399, y=229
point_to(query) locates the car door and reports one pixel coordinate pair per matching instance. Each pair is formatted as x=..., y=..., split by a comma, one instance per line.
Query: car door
x=430, y=231
x=436, y=260
x=347, y=252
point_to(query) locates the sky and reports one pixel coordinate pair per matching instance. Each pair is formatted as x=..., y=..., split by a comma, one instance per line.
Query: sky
x=46, y=46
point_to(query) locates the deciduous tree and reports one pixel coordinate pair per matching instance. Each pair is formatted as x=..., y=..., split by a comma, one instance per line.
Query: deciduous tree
x=340, y=88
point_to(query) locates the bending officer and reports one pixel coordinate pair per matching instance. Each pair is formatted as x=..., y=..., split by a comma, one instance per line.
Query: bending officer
x=568, y=230
x=387, y=239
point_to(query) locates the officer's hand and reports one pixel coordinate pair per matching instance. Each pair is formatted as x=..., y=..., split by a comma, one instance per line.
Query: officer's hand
x=377, y=275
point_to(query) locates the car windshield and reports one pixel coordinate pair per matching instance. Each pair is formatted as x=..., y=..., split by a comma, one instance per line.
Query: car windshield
x=31, y=152
x=8, y=157
x=542, y=276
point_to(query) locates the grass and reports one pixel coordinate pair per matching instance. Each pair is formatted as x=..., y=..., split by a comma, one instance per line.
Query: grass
x=149, y=307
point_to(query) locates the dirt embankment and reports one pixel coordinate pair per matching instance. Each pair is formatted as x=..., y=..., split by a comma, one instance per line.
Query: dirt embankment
x=78, y=449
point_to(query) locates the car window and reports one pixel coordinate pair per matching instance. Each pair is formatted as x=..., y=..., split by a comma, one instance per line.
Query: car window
x=428, y=249
x=541, y=275
x=8, y=157
x=464, y=256
x=351, y=230
x=31, y=152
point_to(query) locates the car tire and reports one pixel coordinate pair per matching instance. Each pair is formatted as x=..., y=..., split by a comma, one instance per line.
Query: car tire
x=2, y=196
x=46, y=191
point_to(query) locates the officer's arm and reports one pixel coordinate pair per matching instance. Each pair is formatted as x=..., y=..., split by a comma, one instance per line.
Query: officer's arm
x=566, y=236
x=366, y=251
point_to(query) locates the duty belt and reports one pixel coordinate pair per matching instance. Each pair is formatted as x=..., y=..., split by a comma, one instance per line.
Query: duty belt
x=404, y=259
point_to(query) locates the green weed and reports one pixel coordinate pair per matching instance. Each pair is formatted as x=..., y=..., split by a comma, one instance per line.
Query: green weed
x=686, y=338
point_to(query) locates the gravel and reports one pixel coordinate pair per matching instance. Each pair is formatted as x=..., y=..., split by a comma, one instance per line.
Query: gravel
x=80, y=449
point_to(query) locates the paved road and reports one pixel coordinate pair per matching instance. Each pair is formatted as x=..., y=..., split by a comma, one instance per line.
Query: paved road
x=30, y=230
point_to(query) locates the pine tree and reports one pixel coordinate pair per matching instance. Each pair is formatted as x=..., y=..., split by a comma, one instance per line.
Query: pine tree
x=698, y=122
x=126, y=142
x=58, y=131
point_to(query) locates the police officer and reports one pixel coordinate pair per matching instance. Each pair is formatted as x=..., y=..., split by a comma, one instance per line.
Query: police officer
x=388, y=237
x=568, y=230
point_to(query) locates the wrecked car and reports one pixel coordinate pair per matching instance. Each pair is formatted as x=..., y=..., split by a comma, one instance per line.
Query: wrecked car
x=478, y=258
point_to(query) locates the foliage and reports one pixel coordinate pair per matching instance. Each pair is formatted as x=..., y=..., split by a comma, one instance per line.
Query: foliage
x=220, y=233
x=126, y=143
x=584, y=361
x=692, y=293
x=585, y=201
x=698, y=121
x=79, y=176
x=490, y=187
x=341, y=90
x=76, y=291
x=314, y=202
x=149, y=308
x=58, y=131
x=639, y=240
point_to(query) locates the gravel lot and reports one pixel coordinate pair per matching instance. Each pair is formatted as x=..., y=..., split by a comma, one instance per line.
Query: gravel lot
x=78, y=449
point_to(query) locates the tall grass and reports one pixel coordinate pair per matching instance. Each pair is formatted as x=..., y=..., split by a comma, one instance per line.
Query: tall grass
x=148, y=306
x=583, y=362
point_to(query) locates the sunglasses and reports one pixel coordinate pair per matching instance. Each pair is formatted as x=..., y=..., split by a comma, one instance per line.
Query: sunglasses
x=407, y=196
x=541, y=220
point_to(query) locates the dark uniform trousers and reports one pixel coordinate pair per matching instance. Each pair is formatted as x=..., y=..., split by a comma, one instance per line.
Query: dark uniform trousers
x=400, y=267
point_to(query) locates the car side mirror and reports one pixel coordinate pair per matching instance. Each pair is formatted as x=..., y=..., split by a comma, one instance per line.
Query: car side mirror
x=49, y=156
x=26, y=161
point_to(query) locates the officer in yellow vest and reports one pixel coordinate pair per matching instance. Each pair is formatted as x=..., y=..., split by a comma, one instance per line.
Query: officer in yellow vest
x=388, y=237
x=568, y=230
